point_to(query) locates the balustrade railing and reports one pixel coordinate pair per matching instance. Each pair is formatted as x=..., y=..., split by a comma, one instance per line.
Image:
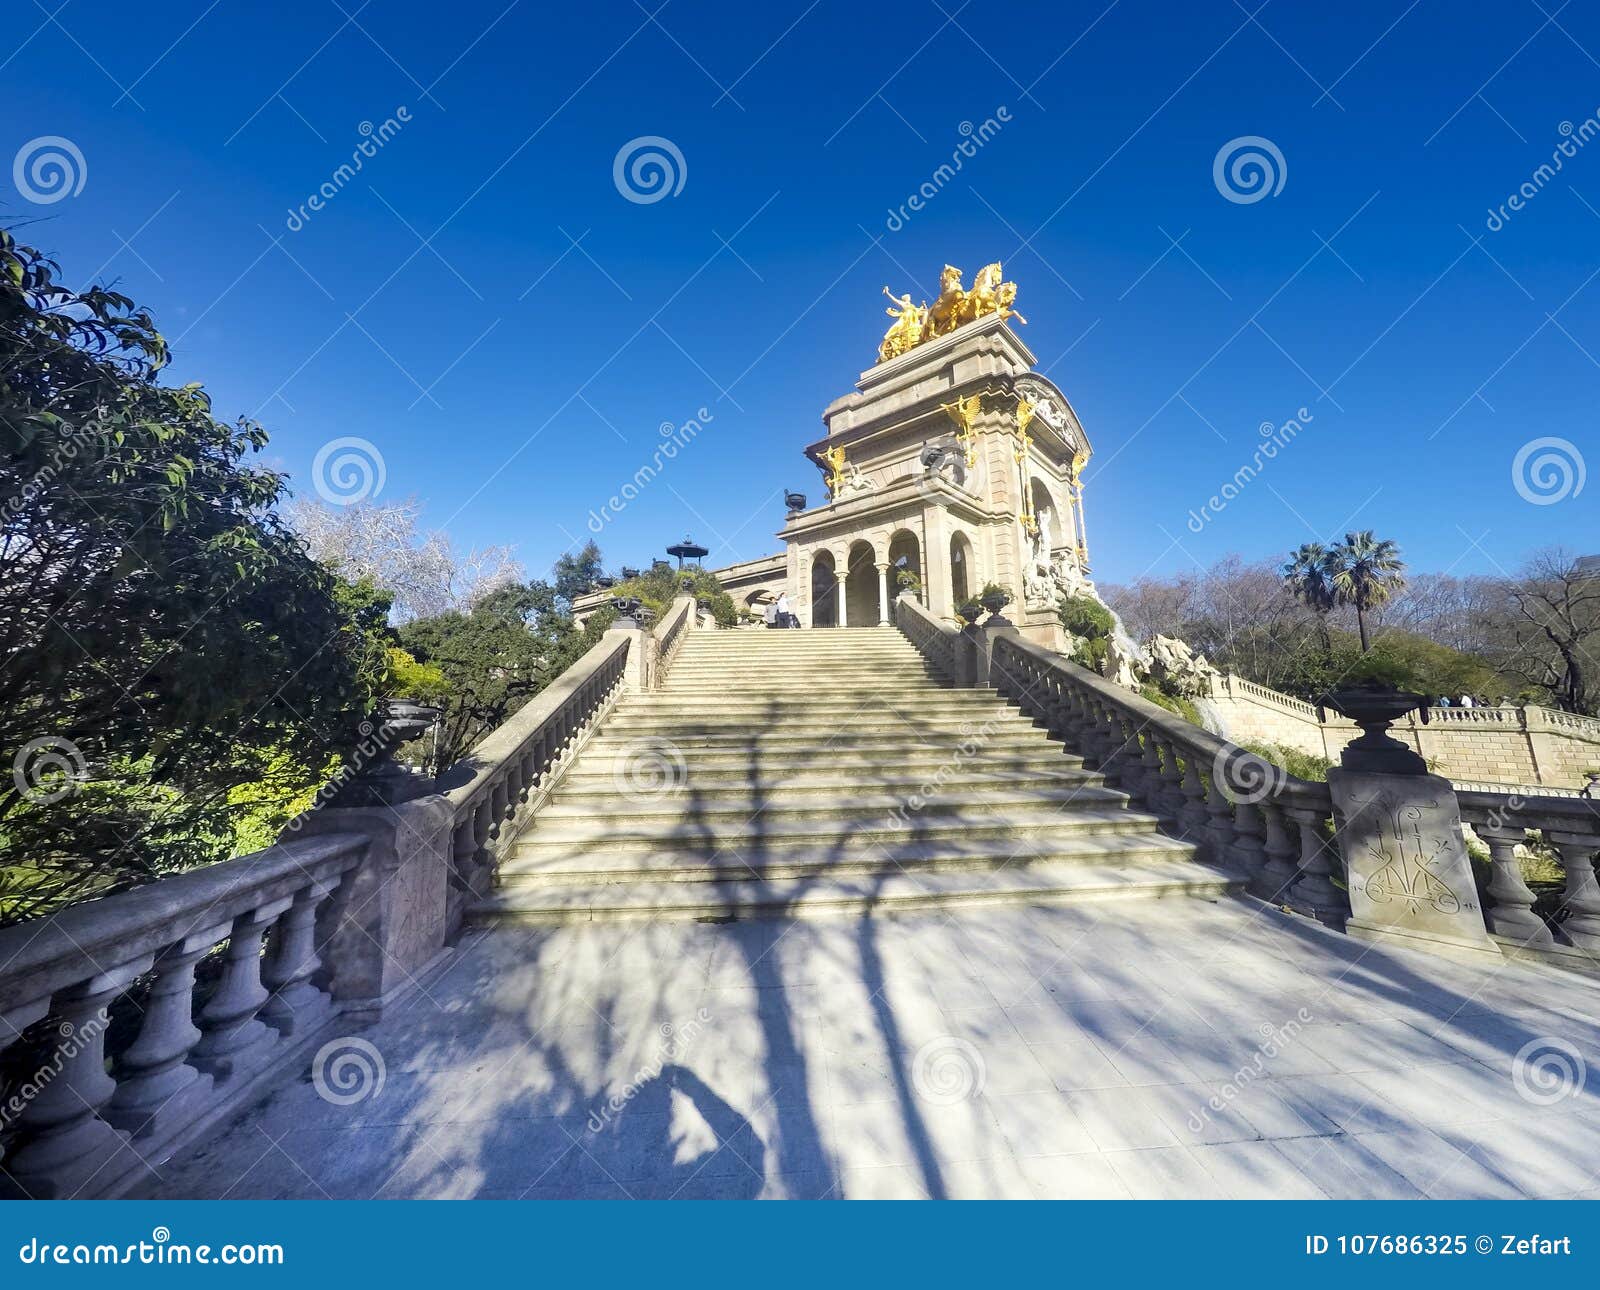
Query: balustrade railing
x=937, y=640
x=1569, y=830
x=493, y=789
x=78, y=1118
x=1242, y=813
x=669, y=634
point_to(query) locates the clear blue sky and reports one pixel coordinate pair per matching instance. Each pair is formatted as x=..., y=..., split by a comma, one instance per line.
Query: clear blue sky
x=514, y=382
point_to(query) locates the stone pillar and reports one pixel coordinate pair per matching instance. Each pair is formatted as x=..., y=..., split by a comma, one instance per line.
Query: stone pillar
x=936, y=564
x=390, y=919
x=840, y=586
x=883, y=594
x=1406, y=866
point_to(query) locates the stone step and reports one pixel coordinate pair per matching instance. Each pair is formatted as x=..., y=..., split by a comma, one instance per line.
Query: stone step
x=585, y=784
x=866, y=894
x=687, y=805
x=801, y=699
x=778, y=746
x=788, y=762
x=865, y=723
x=744, y=836
x=1122, y=850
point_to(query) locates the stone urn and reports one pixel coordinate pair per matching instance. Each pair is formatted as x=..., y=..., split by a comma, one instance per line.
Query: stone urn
x=796, y=502
x=380, y=780
x=627, y=608
x=968, y=612
x=1375, y=707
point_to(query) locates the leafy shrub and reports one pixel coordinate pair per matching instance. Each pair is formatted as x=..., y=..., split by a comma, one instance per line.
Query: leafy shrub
x=1302, y=765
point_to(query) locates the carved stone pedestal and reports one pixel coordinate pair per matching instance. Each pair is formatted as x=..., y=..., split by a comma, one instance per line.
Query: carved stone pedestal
x=1409, y=877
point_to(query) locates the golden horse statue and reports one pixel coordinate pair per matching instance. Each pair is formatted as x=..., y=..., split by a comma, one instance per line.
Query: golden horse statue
x=916, y=324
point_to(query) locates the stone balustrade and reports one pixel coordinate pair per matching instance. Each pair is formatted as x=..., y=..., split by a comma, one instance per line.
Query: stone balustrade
x=497, y=785
x=74, y=1123
x=1242, y=813
x=236, y=970
x=1570, y=829
x=669, y=634
x=936, y=639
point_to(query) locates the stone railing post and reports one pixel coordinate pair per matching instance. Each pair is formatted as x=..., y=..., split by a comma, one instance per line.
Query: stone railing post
x=1510, y=910
x=1399, y=832
x=391, y=919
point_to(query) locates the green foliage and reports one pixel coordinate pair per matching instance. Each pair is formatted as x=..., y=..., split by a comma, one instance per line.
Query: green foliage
x=512, y=644
x=996, y=589
x=1086, y=617
x=1401, y=659
x=408, y=679
x=1175, y=703
x=659, y=586
x=1301, y=765
x=156, y=617
x=909, y=580
x=575, y=574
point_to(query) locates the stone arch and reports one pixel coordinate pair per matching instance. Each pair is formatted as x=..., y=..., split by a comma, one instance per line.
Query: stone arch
x=905, y=556
x=964, y=580
x=1046, y=514
x=861, y=585
x=824, y=593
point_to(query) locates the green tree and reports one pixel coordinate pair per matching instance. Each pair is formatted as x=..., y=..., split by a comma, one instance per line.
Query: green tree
x=163, y=636
x=575, y=573
x=1308, y=577
x=1365, y=573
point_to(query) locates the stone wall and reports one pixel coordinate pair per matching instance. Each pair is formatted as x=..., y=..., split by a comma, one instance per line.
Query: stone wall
x=1533, y=745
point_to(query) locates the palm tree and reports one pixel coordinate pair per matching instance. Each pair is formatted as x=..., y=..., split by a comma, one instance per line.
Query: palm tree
x=1364, y=572
x=1309, y=580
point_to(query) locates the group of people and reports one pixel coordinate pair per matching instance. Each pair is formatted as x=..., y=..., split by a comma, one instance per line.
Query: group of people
x=777, y=614
x=1466, y=701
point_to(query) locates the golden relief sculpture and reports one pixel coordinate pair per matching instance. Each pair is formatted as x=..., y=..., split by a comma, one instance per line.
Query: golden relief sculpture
x=914, y=324
x=964, y=412
x=835, y=459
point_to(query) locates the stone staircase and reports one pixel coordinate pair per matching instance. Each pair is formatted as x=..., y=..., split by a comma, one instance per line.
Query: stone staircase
x=796, y=772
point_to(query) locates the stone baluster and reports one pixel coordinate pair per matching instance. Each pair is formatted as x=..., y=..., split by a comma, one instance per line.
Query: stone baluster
x=1313, y=892
x=1249, y=845
x=1126, y=768
x=1109, y=751
x=157, y=1089
x=1281, y=852
x=1170, y=795
x=1219, y=826
x=1581, y=898
x=296, y=1006
x=1092, y=732
x=1150, y=787
x=1510, y=912
x=235, y=1039
x=1193, y=817
x=62, y=1141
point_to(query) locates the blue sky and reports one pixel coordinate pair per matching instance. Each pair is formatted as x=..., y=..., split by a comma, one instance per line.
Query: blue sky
x=438, y=307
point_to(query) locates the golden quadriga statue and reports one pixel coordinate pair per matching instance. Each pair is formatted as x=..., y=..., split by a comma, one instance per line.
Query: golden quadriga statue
x=914, y=324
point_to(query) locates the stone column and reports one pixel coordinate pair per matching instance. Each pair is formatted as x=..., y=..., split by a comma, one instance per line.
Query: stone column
x=839, y=588
x=936, y=564
x=883, y=594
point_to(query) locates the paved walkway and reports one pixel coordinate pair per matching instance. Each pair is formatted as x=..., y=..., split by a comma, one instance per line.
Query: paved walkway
x=1177, y=1048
